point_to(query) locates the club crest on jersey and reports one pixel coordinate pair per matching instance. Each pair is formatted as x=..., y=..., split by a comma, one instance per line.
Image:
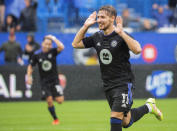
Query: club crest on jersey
x=40, y=60
x=114, y=43
x=46, y=65
x=49, y=56
x=105, y=56
x=98, y=44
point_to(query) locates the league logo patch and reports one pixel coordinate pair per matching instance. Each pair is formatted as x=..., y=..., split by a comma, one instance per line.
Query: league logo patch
x=98, y=44
x=159, y=83
x=114, y=43
x=105, y=56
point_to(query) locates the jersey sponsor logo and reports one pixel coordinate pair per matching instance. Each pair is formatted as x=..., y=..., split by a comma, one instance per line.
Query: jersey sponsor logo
x=159, y=83
x=105, y=56
x=114, y=43
x=46, y=65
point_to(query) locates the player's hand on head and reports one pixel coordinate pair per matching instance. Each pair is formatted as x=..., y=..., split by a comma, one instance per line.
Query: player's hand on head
x=119, y=25
x=52, y=37
x=91, y=19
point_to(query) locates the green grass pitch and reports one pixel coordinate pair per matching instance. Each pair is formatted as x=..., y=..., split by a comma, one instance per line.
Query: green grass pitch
x=79, y=116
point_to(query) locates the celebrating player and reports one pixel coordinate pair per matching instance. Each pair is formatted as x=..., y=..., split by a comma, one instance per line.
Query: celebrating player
x=46, y=61
x=112, y=45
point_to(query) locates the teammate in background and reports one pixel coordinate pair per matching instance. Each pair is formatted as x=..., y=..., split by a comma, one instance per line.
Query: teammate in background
x=46, y=61
x=31, y=47
x=112, y=45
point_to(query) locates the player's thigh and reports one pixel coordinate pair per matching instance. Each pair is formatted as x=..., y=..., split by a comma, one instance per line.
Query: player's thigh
x=59, y=99
x=46, y=91
x=119, y=115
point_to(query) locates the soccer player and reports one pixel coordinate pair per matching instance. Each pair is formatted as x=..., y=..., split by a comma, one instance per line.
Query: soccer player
x=46, y=61
x=112, y=45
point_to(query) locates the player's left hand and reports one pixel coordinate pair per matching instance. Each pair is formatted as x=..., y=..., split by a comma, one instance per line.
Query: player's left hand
x=20, y=61
x=91, y=19
x=119, y=25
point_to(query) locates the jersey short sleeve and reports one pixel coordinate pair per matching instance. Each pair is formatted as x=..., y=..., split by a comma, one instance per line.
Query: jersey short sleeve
x=33, y=60
x=88, y=42
x=54, y=51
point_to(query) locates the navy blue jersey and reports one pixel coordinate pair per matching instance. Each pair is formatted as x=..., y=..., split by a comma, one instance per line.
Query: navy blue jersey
x=47, y=65
x=113, y=54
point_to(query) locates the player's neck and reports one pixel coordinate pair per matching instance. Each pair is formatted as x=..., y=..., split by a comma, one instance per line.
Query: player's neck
x=44, y=51
x=109, y=30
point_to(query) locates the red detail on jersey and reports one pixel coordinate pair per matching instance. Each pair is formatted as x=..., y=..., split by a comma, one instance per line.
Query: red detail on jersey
x=149, y=53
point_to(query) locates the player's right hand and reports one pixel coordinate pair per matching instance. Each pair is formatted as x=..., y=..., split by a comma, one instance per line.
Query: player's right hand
x=29, y=80
x=119, y=27
x=91, y=20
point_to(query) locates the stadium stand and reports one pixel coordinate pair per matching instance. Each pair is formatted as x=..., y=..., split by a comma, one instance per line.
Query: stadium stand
x=72, y=13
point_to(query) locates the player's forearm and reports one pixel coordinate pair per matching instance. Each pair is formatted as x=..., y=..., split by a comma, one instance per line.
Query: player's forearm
x=29, y=80
x=59, y=44
x=80, y=35
x=133, y=45
x=29, y=70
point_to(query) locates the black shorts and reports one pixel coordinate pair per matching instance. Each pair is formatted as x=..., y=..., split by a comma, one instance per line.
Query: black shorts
x=120, y=98
x=53, y=89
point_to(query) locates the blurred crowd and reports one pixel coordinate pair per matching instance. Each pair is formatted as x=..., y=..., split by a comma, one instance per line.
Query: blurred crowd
x=21, y=15
x=18, y=15
x=162, y=16
x=13, y=53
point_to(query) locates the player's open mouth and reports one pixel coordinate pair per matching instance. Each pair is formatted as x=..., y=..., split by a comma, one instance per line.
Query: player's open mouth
x=100, y=25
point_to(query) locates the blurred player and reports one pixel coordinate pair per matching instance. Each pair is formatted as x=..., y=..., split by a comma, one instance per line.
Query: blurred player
x=46, y=61
x=112, y=45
